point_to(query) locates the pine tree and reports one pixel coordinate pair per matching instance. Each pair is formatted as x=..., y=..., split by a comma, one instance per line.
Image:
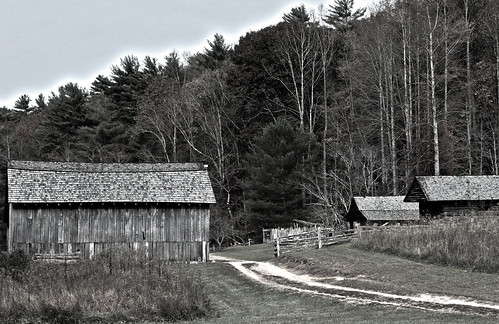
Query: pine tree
x=174, y=69
x=272, y=188
x=40, y=102
x=341, y=15
x=297, y=14
x=22, y=103
x=216, y=53
x=64, y=115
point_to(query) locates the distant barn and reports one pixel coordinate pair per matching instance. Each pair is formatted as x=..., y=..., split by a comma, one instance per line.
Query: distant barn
x=87, y=208
x=381, y=210
x=451, y=195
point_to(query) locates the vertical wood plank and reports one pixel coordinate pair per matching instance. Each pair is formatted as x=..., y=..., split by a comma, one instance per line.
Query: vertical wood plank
x=43, y=231
x=86, y=229
x=154, y=224
x=173, y=226
x=168, y=225
x=114, y=225
x=206, y=231
x=131, y=218
x=79, y=229
x=75, y=220
x=60, y=228
x=127, y=225
x=120, y=225
x=93, y=229
x=67, y=220
x=29, y=226
x=10, y=235
x=19, y=229
x=159, y=223
x=147, y=225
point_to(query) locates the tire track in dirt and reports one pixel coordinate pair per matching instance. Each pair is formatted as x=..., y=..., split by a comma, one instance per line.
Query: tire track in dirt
x=280, y=278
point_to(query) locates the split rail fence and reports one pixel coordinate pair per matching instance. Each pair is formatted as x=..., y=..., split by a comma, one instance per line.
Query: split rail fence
x=314, y=239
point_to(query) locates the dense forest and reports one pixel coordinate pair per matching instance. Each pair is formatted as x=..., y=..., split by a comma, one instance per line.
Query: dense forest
x=297, y=117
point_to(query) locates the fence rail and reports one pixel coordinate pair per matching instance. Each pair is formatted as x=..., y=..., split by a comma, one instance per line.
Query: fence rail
x=315, y=239
x=58, y=257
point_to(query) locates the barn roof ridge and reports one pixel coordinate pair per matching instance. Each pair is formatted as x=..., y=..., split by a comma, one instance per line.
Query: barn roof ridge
x=459, y=176
x=103, y=167
x=46, y=182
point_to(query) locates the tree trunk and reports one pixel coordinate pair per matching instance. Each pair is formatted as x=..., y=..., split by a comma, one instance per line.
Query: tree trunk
x=434, y=116
x=393, y=145
x=469, y=93
x=446, y=64
x=381, y=121
x=407, y=97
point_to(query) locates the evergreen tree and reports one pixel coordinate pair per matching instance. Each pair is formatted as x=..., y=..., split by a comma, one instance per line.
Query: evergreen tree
x=297, y=14
x=341, y=15
x=216, y=53
x=22, y=103
x=152, y=68
x=128, y=85
x=64, y=115
x=125, y=86
x=174, y=69
x=274, y=196
x=40, y=102
x=123, y=89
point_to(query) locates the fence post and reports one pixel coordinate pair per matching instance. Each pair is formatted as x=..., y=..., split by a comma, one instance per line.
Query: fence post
x=277, y=247
x=319, y=239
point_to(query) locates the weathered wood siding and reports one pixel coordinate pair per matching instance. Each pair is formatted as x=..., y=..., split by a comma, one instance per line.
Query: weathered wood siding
x=177, y=232
x=457, y=208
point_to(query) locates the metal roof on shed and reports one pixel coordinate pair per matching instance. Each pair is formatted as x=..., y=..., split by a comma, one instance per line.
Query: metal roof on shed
x=54, y=182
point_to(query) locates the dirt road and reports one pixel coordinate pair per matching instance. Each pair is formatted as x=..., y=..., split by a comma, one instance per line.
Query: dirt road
x=281, y=278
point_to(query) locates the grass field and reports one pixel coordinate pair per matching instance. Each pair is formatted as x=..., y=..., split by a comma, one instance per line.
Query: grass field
x=119, y=287
x=230, y=297
x=241, y=300
x=468, y=242
x=390, y=273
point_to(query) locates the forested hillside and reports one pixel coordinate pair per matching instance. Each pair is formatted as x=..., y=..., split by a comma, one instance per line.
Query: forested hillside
x=295, y=118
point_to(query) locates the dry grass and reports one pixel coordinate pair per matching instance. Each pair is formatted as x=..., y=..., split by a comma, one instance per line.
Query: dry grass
x=115, y=285
x=468, y=242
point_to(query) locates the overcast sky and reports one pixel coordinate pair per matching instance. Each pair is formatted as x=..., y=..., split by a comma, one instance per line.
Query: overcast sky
x=45, y=44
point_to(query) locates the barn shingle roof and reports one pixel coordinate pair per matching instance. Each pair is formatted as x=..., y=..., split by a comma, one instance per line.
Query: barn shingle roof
x=454, y=188
x=53, y=182
x=385, y=208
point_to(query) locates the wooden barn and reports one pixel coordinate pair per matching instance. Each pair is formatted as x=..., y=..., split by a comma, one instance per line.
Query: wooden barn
x=440, y=196
x=84, y=209
x=381, y=210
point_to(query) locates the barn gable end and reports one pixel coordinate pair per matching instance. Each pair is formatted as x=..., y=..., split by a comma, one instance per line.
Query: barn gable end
x=415, y=193
x=86, y=208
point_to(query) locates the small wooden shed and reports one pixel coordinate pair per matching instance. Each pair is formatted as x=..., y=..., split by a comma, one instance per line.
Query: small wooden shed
x=87, y=208
x=381, y=210
x=440, y=196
